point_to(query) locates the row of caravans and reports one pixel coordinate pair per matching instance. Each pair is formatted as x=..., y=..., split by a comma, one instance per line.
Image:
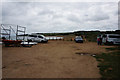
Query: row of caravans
x=110, y=38
x=106, y=38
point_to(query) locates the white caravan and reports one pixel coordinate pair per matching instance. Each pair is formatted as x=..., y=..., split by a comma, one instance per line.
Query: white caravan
x=37, y=38
x=111, y=38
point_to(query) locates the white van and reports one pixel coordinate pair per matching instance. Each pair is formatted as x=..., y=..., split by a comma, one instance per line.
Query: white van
x=111, y=38
x=37, y=38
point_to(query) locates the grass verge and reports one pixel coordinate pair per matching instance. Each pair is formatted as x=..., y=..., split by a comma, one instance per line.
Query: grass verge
x=109, y=64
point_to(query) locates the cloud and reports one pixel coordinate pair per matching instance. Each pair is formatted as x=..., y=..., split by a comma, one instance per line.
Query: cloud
x=61, y=17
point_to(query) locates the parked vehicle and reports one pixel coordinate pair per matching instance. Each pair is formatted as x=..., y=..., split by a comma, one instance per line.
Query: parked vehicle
x=78, y=39
x=37, y=38
x=28, y=44
x=111, y=38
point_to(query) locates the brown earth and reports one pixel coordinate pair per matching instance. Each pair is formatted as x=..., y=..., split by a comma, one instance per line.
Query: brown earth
x=56, y=59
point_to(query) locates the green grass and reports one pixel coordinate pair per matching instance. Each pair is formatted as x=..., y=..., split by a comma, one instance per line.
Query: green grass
x=109, y=64
x=114, y=48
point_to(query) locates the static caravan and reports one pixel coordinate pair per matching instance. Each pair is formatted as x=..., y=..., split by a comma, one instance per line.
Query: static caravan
x=111, y=38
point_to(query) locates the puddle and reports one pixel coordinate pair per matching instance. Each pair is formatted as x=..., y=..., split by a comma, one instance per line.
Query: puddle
x=27, y=64
x=81, y=53
x=85, y=54
x=18, y=61
x=78, y=49
x=68, y=58
x=3, y=67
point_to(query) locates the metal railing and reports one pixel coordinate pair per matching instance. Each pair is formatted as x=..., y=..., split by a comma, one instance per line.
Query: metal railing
x=6, y=30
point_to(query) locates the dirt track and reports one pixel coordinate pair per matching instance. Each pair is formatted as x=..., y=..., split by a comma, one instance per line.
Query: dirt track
x=56, y=59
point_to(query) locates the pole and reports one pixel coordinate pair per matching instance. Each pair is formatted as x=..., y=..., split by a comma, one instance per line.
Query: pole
x=10, y=33
x=17, y=32
x=24, y=34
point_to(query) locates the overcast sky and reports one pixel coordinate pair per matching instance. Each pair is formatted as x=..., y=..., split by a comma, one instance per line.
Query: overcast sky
x=61, y=16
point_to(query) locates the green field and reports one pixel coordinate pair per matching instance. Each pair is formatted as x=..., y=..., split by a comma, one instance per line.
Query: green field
x=109, y=63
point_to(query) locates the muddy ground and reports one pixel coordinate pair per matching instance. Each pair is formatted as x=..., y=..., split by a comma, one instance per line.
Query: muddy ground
x=56, y=59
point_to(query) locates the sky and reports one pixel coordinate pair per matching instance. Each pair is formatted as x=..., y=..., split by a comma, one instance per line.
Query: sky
x=50, y=17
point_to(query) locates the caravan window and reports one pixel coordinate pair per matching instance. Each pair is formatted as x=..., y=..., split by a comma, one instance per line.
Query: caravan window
x=40, y=36
x=114, y=36
x=32, y=36
x=104, y=36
